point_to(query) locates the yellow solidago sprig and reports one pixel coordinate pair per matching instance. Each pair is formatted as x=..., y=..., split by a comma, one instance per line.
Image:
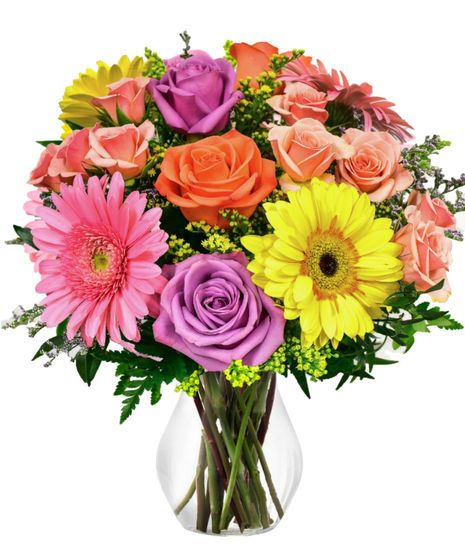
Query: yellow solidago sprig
x=330, y=261
x=179, y=249
x=154, y=66
x=219, y=242
x=76, y=105
x=191, y=384
x=277, y=361
x=239, y=375
x=311, y=360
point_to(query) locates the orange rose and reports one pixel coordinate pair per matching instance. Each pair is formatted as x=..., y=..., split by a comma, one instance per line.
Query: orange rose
x=218, y=172
x=252, y=60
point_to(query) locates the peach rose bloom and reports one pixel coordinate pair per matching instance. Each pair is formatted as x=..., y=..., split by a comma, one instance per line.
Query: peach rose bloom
x=129, y=95
x=40, y=174
x=426, y=253
x=218, y=172
x=69, y=159
x=433, y=209
x=305, y=150
x=298, y=101
x=123, y=149
x=252, y=60
x=375, y=166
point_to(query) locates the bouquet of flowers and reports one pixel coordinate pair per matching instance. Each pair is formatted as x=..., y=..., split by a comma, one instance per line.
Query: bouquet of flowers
x=223, y=221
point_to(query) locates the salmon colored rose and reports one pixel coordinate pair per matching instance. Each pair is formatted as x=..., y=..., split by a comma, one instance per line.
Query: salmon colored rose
x=123, y=149
x=305, y=150
x=218, y=172
x=252, y=60
x=298, y=101
x=433, y=210
x=426, y=253
x=129, y=95
x=40, y=175
x=61, y=163
x=375, y=166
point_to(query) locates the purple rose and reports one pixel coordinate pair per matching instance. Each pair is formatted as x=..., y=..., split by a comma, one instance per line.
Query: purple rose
x=196, y=94
x=212, y=312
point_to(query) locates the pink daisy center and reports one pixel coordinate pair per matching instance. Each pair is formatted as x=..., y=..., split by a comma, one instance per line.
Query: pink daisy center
x=94, y=261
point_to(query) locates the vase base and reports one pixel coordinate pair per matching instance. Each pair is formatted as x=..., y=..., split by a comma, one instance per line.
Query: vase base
x=235, y=532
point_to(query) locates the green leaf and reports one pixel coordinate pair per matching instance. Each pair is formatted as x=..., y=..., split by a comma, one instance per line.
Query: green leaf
x=73, y=125
x=44, y=143
x=122, y=118
x=155, y=394
x=302, y=380
x=446, y=322
x=49, y=345
x=87, y=366
x=61, y=328
x=436, y=287
x=383, y=361
x=25, y=234
x=129, y=405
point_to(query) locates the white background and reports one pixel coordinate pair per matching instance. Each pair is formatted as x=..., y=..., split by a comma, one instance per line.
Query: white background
x=384, y=459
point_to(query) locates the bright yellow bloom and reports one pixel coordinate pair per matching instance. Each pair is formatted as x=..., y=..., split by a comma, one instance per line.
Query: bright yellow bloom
x=329, y=259
x=76, y=105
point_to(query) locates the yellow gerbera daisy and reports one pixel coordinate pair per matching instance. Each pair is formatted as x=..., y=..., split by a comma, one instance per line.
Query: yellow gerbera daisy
x=76, y=105
x=329, y=259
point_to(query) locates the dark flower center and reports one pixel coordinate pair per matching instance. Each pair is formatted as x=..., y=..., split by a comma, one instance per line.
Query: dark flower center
x=328, y=264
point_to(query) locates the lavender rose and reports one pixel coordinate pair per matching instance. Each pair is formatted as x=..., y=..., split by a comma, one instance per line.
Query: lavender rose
x=196, y=94
x=212, y=312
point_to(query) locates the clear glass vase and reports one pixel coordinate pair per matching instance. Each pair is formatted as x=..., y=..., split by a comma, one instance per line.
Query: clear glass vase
x=229, y=461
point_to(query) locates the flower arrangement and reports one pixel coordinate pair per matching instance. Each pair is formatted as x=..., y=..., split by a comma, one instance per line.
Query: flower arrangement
x=220, y=222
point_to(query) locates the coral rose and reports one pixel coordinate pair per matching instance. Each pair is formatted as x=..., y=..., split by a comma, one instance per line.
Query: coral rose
x=61, y=163
x=433, y=209
x=305, y=150
x=426, y=253
x=40, y=175
x=375, y=166
x=252, y=60
x=129, y=95
x=123, y=149
x=298, y=101
x=219, y=172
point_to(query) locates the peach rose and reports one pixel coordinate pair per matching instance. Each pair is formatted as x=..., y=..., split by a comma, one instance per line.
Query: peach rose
x=426, y=253
x=61, y=163
x=40, y=175
x=218, y=172
x=298, y=101
x=69, y=160
x=252, y=60
x=433, y=209
x=375, y=166
x=129, y=95
x=305, y=150
x=123, y=149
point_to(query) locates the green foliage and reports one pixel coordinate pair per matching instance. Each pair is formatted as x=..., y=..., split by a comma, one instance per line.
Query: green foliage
x=44, y=143
x=25, y=234
x=227, y=52
x=339, y=117
x=87, y=366
x=139, y=373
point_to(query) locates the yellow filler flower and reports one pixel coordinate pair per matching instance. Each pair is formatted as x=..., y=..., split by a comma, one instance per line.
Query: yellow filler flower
x=329, y=259
x=76, y=105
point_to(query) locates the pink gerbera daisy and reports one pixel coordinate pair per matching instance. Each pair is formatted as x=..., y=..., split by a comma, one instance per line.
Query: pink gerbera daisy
x=104, y=273
x=377, y=112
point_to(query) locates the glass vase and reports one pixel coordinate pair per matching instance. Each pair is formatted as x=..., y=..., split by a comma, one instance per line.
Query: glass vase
x=229, y=461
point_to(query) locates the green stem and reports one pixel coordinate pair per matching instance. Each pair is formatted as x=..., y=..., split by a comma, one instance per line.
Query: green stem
x=200, y=488
x=187, y=498
x=219, y=454
x=262, y=458
x=213, y=488
x=236, y=459
x=218, y=403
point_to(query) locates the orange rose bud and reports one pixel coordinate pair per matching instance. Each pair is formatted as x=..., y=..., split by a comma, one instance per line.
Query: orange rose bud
x=218, y=172
x=252, y=60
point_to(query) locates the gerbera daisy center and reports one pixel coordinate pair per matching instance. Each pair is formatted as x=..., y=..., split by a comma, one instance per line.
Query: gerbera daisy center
x=330, y=260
